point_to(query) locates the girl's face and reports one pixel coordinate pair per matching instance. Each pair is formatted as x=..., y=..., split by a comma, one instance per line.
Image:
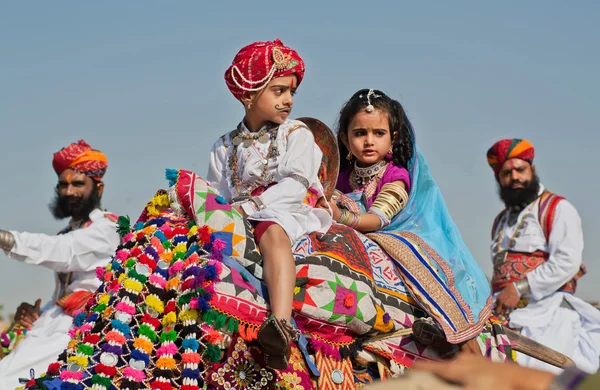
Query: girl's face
x=273, y=103
x=369, y=137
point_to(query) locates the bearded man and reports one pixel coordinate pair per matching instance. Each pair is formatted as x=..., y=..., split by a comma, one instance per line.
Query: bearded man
x=87, y=242
x=537, y=248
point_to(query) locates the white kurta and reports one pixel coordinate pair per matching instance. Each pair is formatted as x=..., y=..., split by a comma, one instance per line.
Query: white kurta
x=80, y=252
x=296, y=166
x=556, y=319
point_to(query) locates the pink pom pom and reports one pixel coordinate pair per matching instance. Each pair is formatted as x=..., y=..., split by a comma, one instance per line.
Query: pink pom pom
x=125, y=308
x=73, y=332
x=128, y=237
x=194, y=303
x=169, y=349
x=134, y=374
x=175, y=268
x=100, y=273
x=122, y=255
x=71, y=375
x=158, y=280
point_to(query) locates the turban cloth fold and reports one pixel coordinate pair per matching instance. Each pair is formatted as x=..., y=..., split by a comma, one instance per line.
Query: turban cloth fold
x=509, y=148
x=257, y=64
x=81, y=158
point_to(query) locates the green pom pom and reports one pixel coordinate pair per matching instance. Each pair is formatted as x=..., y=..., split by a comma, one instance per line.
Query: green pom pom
x=168, y=336
x=100, y=308
x=185, y=299
x=133, y=274
x=147, y=331
x=123, y=225
x=212, y=353
x=101, y=380
x=85, y=349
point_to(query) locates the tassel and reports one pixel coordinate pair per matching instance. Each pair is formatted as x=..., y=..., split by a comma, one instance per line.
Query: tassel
x=232, y=325
x=171, y=175
x=123, y=225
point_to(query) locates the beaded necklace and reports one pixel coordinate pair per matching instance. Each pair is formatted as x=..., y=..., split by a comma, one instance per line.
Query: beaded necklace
x=366, y=179
x=263, y=136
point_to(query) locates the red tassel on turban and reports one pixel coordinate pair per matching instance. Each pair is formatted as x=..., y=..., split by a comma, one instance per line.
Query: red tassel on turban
x=82, y=158
x=257, y=64
x=509, y=148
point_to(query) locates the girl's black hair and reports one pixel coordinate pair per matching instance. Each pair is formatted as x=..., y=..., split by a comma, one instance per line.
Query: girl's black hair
x=402, y=147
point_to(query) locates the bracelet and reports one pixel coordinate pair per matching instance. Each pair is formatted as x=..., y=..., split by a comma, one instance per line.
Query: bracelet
x=7, y=240
x=259, y=203
x=349, y=218
x=522, y=287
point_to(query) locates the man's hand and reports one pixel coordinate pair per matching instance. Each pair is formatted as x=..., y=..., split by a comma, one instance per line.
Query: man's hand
x=323, y=204
x=335, y=209
x=507, y=299
x=476, y=372
x=240, y=210
x=27, y=314
x=471, y=347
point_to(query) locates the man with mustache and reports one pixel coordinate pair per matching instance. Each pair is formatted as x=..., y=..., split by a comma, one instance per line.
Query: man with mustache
x=537, y=248
x=88, y=241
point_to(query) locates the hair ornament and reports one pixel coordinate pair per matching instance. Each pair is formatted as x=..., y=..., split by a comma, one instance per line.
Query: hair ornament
x=372, y=93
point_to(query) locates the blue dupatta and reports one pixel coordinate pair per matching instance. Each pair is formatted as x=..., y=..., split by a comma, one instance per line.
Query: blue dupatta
x=436, y=265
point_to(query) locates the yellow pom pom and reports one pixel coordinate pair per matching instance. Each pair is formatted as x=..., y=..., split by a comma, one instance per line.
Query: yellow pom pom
x=132, y=284
x=155, y=303
x=169, y=319
x=188, y=315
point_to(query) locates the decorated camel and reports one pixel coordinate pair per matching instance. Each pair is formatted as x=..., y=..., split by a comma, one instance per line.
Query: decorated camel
x=182, y=301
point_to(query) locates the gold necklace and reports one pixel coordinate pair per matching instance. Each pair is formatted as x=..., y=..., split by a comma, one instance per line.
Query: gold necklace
x=368, y=188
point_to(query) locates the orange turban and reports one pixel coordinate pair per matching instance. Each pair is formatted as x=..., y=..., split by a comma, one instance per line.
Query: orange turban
x=257, y=64
x=82, y=158
x=509, y=148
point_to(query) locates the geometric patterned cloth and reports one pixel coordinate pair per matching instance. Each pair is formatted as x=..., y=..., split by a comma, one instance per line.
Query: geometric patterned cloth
x=181, y=303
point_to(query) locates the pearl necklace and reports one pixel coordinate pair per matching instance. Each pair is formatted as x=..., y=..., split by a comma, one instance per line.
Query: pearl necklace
x=248, y=139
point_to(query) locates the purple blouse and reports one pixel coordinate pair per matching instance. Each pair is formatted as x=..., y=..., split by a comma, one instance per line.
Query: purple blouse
x=392, y=173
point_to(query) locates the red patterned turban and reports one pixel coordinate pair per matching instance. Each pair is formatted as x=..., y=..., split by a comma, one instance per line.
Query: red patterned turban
x=257, y=64
x=82, y=158
x=509, y=148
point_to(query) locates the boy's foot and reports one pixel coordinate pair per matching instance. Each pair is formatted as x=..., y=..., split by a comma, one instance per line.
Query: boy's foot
x=275, y=336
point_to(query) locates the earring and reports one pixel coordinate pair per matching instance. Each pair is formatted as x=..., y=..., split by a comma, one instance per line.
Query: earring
x=249, y=105
x=349, y=156
x=389, y=155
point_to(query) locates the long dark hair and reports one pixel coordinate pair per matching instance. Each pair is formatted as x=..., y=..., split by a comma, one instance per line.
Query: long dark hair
x=402, y=147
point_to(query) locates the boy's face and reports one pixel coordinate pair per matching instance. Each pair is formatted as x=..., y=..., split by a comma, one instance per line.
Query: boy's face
x=274, y=102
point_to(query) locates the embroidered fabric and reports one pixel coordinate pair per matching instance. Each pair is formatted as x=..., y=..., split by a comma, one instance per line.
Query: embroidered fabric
x=300, y=179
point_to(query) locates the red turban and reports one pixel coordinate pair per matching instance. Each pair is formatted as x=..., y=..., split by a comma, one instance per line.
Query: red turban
x=82, y=158
x=509, y=148
x=257, y=64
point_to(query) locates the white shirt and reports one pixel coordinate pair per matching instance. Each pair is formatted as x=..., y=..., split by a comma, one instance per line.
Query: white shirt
x=565, y=246
x=79, y=251
x=296, y=166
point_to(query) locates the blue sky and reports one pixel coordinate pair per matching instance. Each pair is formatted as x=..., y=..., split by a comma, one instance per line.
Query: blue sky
x=143, y=82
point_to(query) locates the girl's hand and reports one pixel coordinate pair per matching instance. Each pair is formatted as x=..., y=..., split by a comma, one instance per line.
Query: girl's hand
x=323, y=204
x=336, y=210
x=240, y=210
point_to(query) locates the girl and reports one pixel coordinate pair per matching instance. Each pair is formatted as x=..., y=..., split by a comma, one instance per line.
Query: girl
x=385, y=189
x=267, y=168
x=377, y=145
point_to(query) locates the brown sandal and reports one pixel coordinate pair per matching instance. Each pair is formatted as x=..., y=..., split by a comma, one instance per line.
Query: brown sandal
x=275, y=337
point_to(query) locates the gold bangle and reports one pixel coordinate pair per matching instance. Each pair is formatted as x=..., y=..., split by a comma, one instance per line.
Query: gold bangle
x=391, y=200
